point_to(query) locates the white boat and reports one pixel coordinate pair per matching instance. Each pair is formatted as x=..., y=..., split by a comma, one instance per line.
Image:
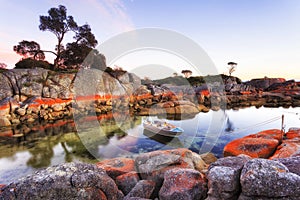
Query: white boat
x=162, y=128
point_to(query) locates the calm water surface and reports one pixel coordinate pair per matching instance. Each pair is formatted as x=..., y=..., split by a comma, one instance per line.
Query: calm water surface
x=91, y=143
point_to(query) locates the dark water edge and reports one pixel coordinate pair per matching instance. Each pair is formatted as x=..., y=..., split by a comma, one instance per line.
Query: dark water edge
x=48, y=144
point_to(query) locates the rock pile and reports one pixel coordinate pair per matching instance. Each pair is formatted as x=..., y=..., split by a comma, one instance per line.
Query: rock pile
x=165, y=175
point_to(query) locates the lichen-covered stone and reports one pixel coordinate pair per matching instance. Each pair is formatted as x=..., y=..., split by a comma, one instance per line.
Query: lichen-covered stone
x=66, y=181
x=292, y=163
x=224, y=177
x=187, y=184
x=288, y=148
x=253, y=147
x=269, y=179
x=117, y=166
x=127, y=181
x=143, y=189
x=223, y=183
x=153, y=165
x=293, y=133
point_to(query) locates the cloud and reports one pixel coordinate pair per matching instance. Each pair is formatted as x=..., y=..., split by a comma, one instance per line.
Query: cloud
x=115, y=11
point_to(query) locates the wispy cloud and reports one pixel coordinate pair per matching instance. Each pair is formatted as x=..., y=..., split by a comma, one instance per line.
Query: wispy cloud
x=115, y=11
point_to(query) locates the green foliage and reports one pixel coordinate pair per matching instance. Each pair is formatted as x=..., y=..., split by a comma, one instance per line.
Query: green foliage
x=177, y=80
x=195, y=80
x=29, y=63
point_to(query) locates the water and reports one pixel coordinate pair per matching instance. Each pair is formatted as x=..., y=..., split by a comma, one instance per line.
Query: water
x=126, y=137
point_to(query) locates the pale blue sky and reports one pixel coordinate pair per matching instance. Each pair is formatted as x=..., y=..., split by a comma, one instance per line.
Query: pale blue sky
x=262, y=36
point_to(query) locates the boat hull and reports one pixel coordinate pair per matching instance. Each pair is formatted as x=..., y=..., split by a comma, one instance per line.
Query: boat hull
x=161, y=131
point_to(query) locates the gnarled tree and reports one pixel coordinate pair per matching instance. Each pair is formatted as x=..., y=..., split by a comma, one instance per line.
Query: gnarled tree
x=59, y=24
x=29, y=49
x=76, y=52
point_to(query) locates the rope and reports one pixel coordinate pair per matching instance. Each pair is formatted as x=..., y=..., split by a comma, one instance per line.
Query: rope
x=290, y=112
x=258, y=124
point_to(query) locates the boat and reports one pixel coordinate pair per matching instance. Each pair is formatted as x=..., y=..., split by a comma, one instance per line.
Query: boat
x=165, y=140
x=162, y=128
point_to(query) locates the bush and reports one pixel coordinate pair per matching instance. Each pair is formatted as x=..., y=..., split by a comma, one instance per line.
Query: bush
x=30, y=63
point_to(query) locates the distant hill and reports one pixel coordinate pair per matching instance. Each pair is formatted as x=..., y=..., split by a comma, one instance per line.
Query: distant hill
x=193, y=80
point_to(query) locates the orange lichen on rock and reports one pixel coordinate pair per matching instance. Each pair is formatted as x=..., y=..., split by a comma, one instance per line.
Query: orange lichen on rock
x=117, y=166
x=287, y=149
x=6, y=133
x=4, y=107
x=293, y=133
x=253, y=147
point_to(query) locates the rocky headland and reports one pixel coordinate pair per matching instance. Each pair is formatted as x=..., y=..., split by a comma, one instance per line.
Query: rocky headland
x=259, y=166
x=28, y=96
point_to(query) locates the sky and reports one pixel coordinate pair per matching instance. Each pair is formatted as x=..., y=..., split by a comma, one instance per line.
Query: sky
x=262, y=36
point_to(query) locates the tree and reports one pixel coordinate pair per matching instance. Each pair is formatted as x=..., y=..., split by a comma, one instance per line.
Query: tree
x=59, y=24
x=29, y=49
x=74, y=53
x=232, y=67
x=186, y=73
x=77, y=51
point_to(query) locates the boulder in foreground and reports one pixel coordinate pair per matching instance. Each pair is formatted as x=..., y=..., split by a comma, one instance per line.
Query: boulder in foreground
x=66, y=181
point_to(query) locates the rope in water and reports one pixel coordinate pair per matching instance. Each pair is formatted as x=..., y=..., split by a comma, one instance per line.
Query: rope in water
x=248, y=127
x=257, y=125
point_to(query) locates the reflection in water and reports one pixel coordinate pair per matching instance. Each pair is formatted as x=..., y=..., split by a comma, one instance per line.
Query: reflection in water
x=170, y=141
x=50, y=144
x=41, y=154
x=229, y=124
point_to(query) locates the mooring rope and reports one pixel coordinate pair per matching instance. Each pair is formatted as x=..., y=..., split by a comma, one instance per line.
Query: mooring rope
x=256, y=125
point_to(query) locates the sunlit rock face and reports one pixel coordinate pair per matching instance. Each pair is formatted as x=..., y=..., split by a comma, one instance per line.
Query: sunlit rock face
x=29, y=95
x=260, y=145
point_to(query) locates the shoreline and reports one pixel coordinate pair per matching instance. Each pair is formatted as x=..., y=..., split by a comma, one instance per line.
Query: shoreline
x=164, y=174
